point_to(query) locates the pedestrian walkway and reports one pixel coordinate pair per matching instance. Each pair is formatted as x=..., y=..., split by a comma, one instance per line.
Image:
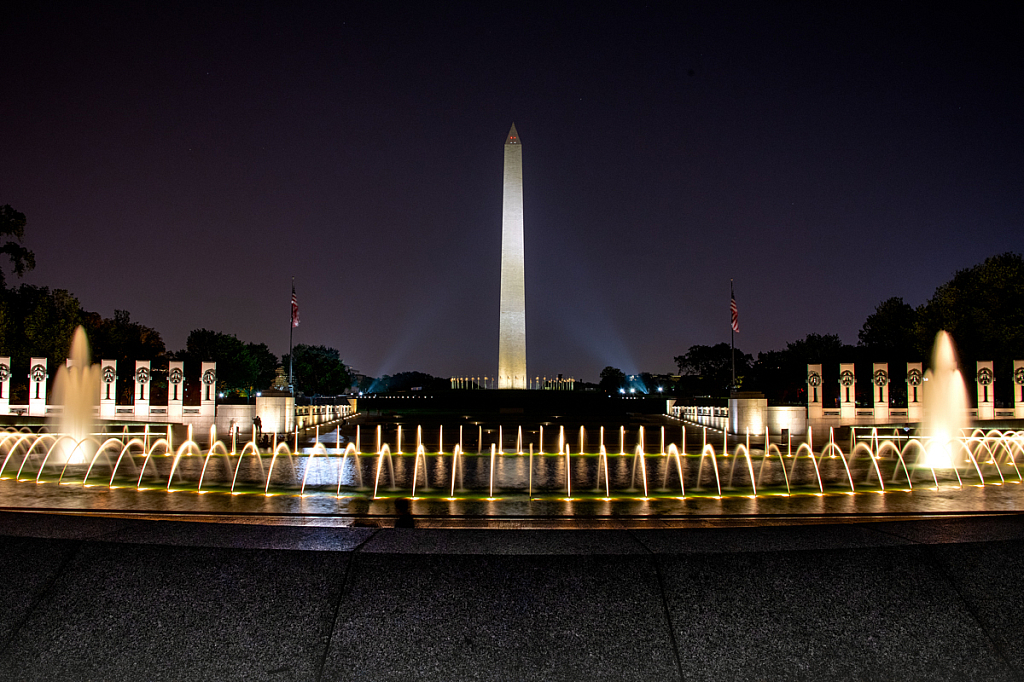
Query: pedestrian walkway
x=130, y=599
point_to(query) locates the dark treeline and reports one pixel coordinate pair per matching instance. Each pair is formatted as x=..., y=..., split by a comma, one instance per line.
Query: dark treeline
x=982, y=307
x=409, y=382
x=39, y=322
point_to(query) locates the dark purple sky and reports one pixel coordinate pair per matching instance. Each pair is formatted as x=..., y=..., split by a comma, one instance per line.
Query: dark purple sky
x=184, y=163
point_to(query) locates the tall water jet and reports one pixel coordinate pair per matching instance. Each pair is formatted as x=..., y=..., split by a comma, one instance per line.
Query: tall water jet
x=77, y=388
x=945, y=404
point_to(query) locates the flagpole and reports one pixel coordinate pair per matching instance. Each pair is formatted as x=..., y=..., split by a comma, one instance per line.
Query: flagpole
x=291, y=332
x=732, y=335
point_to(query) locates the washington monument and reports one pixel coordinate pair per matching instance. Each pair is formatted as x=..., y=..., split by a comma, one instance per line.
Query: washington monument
x=512, y=325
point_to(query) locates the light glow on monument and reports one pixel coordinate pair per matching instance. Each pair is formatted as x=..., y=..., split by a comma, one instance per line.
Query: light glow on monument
x=512, y=307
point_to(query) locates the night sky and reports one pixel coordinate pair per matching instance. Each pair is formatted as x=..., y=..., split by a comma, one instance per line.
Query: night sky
x=184, y=162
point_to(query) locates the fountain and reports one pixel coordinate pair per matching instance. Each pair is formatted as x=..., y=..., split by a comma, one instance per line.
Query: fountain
x=945, y=404
x=76, y=387
x=750, y=469
x=617, y=470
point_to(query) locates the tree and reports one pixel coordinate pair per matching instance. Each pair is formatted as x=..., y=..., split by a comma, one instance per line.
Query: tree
x=242, y=368
x=982, y=307
x=818, y=348
x=36, y=322
x=782, y=375
x=612, y=379
x=776, y=374
x=12, y=224
x=409, y=381
x=261, y=366
x=890, y=333
x=707, y=370
x=118, y=338
x=318, y=370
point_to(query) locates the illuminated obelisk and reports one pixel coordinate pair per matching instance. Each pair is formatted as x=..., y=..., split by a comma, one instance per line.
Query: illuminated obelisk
x=512, y=324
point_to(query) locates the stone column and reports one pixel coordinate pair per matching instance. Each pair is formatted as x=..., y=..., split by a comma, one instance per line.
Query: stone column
x=915, y=392
x=5, y=385
x=108, y=389
x=748, y=413
x=986, y=389
x=814, y=404
x=142, y=386
x=1018, y=389
x=847, y=393
x=175, y=389
x=880, y=379
x=208, y=400
x=37, y=387
x=276, y=410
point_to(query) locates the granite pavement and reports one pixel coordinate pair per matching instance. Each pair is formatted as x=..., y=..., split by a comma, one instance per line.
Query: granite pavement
x=106, y=598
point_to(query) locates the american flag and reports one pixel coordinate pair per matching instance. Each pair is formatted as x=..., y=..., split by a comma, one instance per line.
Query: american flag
x=735, y=315
x=295, y=308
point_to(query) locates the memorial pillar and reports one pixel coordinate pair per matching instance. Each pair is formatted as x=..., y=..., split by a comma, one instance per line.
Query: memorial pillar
x=847, y=393
x=175, y=389
x=108, y=389
x=5, y=385
x=880, y=379
x=142, y=382
x=208, y=400
x=1018, y=389
x=37, y=387
x=986, y=399
x=814, y=392
x=915, y=392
